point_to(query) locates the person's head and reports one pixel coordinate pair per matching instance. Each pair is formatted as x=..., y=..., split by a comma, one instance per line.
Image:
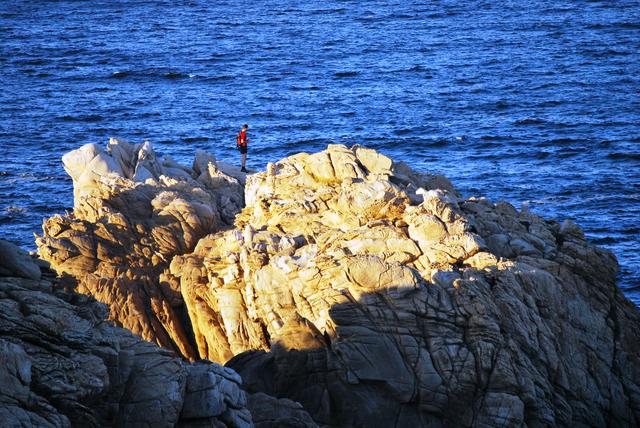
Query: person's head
x=245, y=126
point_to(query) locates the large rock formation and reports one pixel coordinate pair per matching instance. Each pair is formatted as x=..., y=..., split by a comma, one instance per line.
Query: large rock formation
x=376, y=296
x=132, y=213
x=62, y=365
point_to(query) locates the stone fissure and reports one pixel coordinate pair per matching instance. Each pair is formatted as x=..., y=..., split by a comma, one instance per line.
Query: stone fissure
x=434, y=307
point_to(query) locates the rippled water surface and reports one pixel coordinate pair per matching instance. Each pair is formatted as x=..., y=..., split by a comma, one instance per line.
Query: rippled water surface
x=535, y=102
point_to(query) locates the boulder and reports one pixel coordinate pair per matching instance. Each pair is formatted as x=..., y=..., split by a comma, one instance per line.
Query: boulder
x=269, y=412
x=16, y=262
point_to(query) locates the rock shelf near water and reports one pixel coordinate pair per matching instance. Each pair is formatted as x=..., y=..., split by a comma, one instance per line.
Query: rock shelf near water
x=371, y=293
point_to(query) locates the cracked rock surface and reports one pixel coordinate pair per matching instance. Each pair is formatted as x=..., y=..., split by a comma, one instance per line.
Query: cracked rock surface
x=62, y=365
x=133, y=212
x=376, y=296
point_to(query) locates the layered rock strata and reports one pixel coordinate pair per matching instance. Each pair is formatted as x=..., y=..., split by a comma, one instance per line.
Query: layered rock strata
x=377, y=296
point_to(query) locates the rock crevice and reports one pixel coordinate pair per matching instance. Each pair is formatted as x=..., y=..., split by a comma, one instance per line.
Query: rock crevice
x=62, y=365
x=349, y=281
x=132, y=214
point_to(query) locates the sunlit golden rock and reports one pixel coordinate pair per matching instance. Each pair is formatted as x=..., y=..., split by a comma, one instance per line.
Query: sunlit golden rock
x=132, y=214
x=373, y=294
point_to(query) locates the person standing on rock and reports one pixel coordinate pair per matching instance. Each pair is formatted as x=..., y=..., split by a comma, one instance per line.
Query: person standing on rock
x=241, y=143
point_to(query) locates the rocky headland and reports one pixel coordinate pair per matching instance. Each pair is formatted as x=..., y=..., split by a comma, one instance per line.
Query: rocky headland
x=372, y=294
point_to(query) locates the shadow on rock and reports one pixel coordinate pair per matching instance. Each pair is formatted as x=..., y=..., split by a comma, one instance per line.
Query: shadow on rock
x=514, y=347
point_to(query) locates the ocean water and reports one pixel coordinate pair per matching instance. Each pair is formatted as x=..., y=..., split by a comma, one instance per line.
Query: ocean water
x=535, y=102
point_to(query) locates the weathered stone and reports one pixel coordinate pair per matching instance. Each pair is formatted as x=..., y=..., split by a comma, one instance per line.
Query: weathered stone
x=15, y=262
x=372, y=294
x=276, y=413
x=125, y=230
x=61, y=365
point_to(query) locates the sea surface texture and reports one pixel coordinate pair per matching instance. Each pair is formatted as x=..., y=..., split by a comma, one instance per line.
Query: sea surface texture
x=534, y=102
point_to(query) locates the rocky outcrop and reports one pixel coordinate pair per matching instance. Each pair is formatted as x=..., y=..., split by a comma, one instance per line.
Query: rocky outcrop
x=377, y=296
x=62, y=365
x=132, y=214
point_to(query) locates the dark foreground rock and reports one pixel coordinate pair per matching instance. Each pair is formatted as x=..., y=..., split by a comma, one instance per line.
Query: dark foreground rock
x=372, y=294
x=62, y=364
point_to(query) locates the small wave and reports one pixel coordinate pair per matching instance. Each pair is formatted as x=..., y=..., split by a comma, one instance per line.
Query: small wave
x=401, y=16
x=267, y=97
x=496, y=137
x=486, y=145
x=402, y=131
x=604, y=241
x=196, y=139
x=559, y=142
x=345, y=74
x=607, y=53
x=120, y=74
x=175, y=75
x=624, y=156
x=465, y=82
x=569, y=152
x=368, y=18
x=6, y=219
x=597, y=26
x=551, y=103
x=628, y=25
x=305, y=88
x=333, y=42
x=631, y=287
x=35, y=61
x=12, y=209
x=82, y=118
x=220, y=78
x=328, y=11
x=440, y=143
x=418, y=68
x=151, y=73
x=530, y=121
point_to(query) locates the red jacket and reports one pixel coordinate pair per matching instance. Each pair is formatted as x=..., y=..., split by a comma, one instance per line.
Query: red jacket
x=242, y=138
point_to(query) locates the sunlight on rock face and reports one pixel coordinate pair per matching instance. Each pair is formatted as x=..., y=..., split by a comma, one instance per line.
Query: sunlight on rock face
x=356, y=282
x=132, y=214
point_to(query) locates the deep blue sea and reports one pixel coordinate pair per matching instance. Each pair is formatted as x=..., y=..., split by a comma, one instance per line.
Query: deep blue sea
x=535, y=102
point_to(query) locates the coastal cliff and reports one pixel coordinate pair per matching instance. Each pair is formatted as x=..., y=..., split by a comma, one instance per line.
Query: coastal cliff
x=373, y=294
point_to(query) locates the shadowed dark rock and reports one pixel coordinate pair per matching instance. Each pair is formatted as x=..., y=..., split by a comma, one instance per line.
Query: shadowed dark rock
x=15, y=262
x=61, y=364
